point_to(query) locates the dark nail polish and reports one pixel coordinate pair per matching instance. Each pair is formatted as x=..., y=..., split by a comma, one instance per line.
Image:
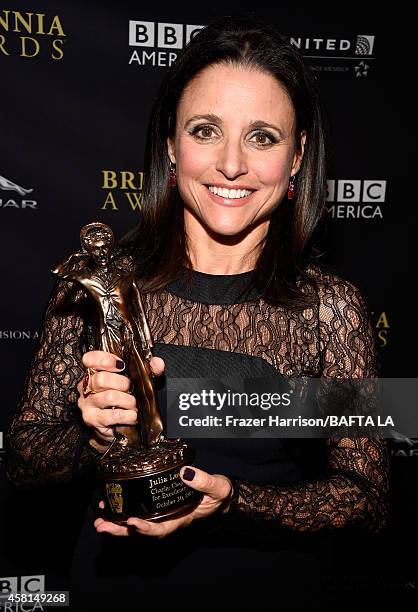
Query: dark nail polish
x=120, y=364
x=189, y=474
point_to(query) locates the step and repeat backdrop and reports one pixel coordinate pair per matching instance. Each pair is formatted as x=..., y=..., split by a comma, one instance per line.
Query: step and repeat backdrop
x=77, y=84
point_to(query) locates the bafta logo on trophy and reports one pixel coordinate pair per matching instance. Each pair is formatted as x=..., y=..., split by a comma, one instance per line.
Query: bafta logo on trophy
x=140, y=469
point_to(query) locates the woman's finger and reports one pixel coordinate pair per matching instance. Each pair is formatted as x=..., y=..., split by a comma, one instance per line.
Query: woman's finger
x=157, y=366
x=102, y=381
x=109, y=398
x=97, y=418
x=101, y=360
x=155, y=529
x=103, y=526
x=101, y=444
x=159, y=529
x=216, y=486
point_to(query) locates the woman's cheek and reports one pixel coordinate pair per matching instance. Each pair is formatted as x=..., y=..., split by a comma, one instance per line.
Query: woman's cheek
x=193, y=164
x=274, y=170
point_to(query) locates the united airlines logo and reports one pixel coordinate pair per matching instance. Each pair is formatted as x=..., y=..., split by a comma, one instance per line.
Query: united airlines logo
x=312, y=46
x=13, y=202
x=337, y=54
x=364, y=44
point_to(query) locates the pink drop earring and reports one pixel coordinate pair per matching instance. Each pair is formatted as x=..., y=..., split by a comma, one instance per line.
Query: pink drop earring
x=173, y=176
x=292, y=188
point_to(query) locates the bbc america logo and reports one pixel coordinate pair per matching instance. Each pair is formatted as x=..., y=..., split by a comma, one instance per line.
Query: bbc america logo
x=21, y=584
x=160, y=42
x=356, y=191
x=355, y=198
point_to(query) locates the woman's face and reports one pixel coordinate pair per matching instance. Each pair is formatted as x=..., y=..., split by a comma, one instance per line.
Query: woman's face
x=234, y=148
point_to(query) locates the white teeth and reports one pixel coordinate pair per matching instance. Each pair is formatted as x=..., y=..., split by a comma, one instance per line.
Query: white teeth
x=231, y=194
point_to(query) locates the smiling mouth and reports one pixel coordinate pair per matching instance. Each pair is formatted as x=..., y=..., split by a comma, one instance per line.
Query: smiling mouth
x=230, y=194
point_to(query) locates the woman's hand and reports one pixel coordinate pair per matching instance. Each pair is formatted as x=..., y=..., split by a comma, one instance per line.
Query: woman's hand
x=110, y=390
x=217, y=491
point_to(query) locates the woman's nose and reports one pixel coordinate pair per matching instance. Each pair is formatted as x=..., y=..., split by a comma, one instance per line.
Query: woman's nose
x=232, y=160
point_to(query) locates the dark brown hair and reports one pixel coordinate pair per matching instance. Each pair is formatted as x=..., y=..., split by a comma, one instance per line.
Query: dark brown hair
x=159, y=240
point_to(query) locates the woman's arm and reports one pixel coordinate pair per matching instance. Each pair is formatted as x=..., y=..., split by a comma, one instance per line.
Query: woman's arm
x=47, y=439
x=356, y=491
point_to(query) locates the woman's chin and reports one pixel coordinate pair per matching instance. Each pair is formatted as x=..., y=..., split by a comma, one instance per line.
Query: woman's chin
x=228, y=232
x=227, y=227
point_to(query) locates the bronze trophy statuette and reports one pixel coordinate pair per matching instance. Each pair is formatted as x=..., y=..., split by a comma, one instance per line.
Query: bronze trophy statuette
x=140, y=469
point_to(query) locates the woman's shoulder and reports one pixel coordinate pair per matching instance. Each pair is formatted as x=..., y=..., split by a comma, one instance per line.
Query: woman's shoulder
x=335, y=292
x=328, y=281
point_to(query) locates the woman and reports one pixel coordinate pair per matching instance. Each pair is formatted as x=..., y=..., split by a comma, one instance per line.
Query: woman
x=235, y=189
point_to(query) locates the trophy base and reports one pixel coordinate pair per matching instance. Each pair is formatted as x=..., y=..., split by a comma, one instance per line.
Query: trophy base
x=146, y=483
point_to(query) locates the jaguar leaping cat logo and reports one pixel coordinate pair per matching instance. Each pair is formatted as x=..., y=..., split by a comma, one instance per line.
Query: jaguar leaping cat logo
x=9, y=186
x=396, y=435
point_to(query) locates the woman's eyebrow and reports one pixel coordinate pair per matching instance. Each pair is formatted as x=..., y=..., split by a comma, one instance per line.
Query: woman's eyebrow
x=258, y=125
x=209, y=117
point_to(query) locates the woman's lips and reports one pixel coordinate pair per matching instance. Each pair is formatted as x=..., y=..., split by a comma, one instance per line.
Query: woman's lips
x=229, y=202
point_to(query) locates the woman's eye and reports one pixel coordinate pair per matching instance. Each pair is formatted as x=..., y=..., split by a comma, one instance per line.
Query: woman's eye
x=263, y=139
x=204, y=132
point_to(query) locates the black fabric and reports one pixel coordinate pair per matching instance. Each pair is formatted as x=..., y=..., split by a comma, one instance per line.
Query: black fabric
x=214, y=288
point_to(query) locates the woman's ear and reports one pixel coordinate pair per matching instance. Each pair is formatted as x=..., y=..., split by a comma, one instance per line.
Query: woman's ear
x=171, y=150
x=298, y=156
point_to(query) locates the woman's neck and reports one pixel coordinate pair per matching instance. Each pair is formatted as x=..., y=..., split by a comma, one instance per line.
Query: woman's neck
x=214, y=254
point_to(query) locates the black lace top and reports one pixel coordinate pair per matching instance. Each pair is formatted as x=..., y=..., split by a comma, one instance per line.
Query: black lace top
x=207, y=330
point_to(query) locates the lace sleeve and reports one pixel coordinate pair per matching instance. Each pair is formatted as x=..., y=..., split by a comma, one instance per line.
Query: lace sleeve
x=47, y=439
x=356, y=489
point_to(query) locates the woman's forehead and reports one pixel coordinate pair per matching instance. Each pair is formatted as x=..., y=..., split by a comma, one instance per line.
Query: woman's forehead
x=237, y=92
x=245, y=81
